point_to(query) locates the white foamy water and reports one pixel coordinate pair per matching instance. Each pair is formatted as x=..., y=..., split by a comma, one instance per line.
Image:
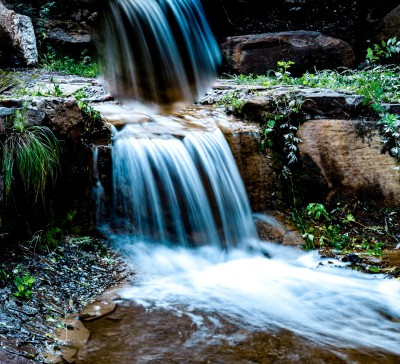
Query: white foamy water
x=329, y=305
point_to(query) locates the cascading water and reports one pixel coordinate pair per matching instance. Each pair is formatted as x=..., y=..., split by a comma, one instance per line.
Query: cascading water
x=152, y=50
x=181, y=217
x=182, y=191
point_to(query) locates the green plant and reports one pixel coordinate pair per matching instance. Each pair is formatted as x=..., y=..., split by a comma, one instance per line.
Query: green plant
x=7, y=80
x=380, y=82
x=391, y=133
x=31, y=153
x=374, y=248
x=384, y=50
x=57, y=89
x=279, y=130
x=53, y=61
x=317, y=211
x=283, y=70
x=267, y=131
x=44, y=15
x=24, y=286
x=80, y=94
x=51, y=237
x=233, y=102
x=89, y=113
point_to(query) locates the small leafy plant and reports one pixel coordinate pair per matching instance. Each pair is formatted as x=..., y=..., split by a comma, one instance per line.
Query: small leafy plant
x=384, y=50
x=317, y=211
x=283, y=72
x=24, y=286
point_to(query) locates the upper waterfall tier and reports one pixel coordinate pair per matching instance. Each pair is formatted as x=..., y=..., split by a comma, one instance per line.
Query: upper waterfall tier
x=158, y=51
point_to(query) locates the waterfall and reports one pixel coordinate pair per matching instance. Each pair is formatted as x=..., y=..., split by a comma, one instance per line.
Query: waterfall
x=180, y=214
x=159, y=51
x=181, y=190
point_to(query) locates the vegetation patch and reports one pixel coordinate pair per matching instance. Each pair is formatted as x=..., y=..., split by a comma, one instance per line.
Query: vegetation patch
x=30, y=154
x=84, y=66
x=364, y=236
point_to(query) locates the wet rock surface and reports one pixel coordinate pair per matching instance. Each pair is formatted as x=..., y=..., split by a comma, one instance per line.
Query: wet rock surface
x=258, y=171
x=140, y=335
x=276, y=226
x=64, y=281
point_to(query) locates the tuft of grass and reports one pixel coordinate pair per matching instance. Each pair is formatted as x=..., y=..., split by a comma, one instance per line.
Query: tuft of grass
x=31, y=153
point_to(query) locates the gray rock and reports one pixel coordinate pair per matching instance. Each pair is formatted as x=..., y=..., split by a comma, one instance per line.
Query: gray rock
x=5, y=114
x=29, y=310
x=72, y=41
x=317, y=103
x=18, y=30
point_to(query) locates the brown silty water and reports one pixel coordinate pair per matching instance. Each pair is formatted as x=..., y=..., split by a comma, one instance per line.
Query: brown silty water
x=135, y=335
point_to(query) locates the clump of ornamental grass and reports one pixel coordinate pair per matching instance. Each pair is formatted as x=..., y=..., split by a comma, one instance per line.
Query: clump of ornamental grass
x=30, y=154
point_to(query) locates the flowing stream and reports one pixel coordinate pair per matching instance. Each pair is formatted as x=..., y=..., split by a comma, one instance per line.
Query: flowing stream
x=206, y=290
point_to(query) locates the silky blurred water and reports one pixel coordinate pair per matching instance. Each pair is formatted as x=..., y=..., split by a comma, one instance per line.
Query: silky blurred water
x=157, y=51
x=291, y=290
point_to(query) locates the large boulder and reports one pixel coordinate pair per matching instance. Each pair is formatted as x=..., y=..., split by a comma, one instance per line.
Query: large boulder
x=343, y=160
x=17, y=39
x=260, y=53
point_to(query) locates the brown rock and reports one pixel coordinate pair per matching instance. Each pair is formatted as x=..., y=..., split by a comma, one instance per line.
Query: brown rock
x=75, y=336
x=63, y=116
x=276, y=227
x=344, y=160
x=258, y=54
x=258, y=171
x=98, y=309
